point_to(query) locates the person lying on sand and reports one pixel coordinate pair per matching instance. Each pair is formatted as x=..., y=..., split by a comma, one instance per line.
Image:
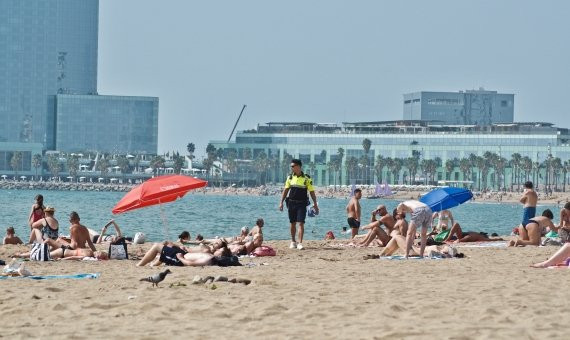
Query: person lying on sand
x=11, y=237
x=77, y=254
x=100, y=238
x=468, y=236
x=560, y=258
x=172, y=255
x=398, y=242
x=529, y=235
x=374, y=229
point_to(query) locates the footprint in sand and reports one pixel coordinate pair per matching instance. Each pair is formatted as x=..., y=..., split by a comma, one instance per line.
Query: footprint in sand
x=54, y=289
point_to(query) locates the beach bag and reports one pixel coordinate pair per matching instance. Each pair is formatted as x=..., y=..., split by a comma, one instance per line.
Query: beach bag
x=227, y=261
x=264, y=251
x=139, y=238
x=441, y=236
x=118, y=250
x=40, y=252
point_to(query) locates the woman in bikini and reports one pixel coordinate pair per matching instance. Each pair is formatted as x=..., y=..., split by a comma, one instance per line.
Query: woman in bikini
x=529, y=234
x=45, y=228
x=37, y=212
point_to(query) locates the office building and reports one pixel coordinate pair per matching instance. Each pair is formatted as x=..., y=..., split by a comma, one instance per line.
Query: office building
x=471, y=107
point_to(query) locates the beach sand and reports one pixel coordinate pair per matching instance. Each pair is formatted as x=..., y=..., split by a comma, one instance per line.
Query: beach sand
x=320, y=292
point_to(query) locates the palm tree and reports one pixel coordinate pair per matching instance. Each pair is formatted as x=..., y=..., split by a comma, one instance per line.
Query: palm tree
x=363, y=164
x=490, y=159
x=412, y=163
x=395, y=168
x=351, y=166
x=366, y=144
x=311, y=166
x=191, y=148
x=123, y=164
x=389, y=161
x=526, y=164
x=53, y=165
x=464, y=167
x=103, y=167
x=16, y=162
x=449, y=166
x=473, y=162
x=340, y=155
x=379, y=166
x=177, y=164
x=565, y=170
x=73, y=165
x=156, y=163
x=556, y=166
x=261, y=165
x=500, y=166
x=516, y=163
x=37, y=163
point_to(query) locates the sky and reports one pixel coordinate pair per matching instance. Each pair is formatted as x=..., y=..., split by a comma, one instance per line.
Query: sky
x=327, y=61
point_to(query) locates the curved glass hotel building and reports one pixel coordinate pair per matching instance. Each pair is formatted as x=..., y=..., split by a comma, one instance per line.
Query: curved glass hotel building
x=317, y=144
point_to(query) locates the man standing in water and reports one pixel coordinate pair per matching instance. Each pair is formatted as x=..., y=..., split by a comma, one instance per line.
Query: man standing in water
x=353, y=212
x=528, y=199
x=298, y=185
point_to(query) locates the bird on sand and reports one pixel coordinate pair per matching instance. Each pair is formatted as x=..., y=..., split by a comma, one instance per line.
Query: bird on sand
x=155, y=279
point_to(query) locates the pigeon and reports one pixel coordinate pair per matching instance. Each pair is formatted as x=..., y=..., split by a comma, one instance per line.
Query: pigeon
x=155, y=279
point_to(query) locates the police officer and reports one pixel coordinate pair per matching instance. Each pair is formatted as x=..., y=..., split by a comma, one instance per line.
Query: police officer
x=297, y=185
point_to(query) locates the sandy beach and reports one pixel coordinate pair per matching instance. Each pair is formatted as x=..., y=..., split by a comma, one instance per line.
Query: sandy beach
x=320, y=292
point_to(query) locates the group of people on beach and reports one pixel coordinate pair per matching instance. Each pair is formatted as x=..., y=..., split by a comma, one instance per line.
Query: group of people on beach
x=45, y=236
x=392, y=231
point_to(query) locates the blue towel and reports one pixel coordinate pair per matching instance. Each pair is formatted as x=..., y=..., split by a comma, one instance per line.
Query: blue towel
x=402, y=257
x=48, y=277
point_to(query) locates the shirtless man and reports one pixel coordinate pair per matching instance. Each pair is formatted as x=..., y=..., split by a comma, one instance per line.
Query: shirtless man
x=421, y=216
x=80, y=237
x=257, y=229
x=529, y=200
x=374, y=226
x=529, y=234
x=353, y=212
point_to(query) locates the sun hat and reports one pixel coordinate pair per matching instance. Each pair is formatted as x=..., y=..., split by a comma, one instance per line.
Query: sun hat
x=49, y=209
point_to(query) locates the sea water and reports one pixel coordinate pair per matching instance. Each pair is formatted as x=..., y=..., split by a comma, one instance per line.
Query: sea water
x=213, y=215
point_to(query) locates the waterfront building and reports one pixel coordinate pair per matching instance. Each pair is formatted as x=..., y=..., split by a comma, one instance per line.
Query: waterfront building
x=317, y=145
x=49, y=52
x=470, y=107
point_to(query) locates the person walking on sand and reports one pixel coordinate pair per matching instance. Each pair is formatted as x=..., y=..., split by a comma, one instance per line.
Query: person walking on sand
x=353, y=212
x=529, y=199
x=421, y=216
x=297, y=186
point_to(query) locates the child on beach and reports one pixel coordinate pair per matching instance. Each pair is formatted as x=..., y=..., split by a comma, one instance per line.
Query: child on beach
x=11, y=237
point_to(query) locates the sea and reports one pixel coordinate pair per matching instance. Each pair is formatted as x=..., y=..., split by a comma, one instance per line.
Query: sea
x=218, y=215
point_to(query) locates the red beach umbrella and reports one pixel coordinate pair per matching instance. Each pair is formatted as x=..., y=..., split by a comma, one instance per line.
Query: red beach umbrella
x=158, y=190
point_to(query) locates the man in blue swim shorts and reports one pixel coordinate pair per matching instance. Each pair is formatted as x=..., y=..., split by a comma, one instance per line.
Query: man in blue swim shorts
x=529, y=198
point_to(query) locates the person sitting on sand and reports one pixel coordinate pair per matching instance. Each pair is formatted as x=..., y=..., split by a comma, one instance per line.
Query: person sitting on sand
x=80, y=237
x=529, y=235
x=45, y=228
x=172, y=255
x=563, y=229
x=421, y=216
x=468, y=236
x=11, y=237
x=375, y=231
x=257, y=229
x=560, y=258
x=401, y=226
x=399, y=242
x=445, y=220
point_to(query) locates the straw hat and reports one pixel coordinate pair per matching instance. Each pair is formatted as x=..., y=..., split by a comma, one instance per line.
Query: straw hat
x=49, y=209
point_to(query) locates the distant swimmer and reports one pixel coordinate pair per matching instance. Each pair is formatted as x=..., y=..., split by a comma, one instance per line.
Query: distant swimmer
x=529, y=199
x=353, y=212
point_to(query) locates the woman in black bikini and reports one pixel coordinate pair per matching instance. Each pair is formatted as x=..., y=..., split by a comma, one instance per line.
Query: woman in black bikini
x=529, y=234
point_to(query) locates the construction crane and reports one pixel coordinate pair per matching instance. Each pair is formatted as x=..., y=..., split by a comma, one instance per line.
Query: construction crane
x=237, y=121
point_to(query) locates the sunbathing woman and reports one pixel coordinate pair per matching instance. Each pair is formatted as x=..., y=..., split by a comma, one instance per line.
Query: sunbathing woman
x=399, y=242
x=559, y=258
x=108, y=238
x=529, y=235
x=45, y=228
x=77, y=254
x=468, y=236
x=172, y=255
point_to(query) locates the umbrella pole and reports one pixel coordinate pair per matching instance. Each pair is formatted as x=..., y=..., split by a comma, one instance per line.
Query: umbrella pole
x=164, y=223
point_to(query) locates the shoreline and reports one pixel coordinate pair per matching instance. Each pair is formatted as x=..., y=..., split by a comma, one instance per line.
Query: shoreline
x=510, y=197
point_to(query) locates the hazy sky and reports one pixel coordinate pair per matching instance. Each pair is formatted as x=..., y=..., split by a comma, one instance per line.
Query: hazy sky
x=327, y=61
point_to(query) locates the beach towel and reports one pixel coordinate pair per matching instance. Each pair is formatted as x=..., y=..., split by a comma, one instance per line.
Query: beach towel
x=402, y=257
x=40, y=252
x=50, y=277
x=491, y=244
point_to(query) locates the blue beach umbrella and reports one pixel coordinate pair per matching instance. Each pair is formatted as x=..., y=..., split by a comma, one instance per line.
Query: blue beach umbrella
x=445, y=198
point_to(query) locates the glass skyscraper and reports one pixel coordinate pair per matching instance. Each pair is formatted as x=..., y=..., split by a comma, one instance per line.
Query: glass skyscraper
x=48, y=84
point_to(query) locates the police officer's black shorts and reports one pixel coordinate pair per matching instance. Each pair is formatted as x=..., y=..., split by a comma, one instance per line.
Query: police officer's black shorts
x=297, y=212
